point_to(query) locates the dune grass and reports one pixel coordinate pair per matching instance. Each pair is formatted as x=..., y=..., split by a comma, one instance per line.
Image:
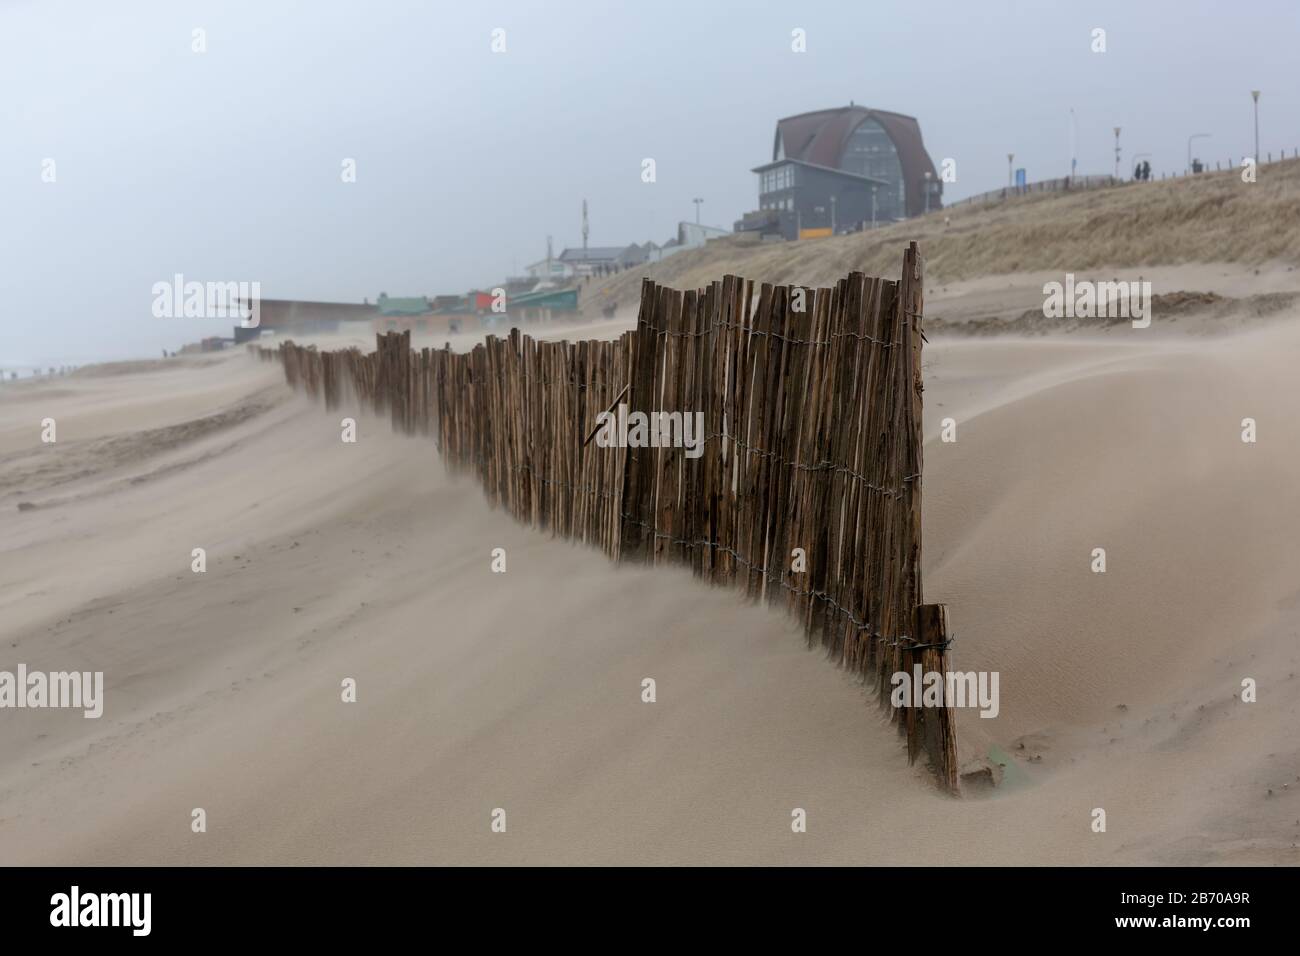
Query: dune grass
x=1214, y=217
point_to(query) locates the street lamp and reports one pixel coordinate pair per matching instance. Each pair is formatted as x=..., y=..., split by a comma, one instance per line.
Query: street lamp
x=1189, y=147
x=873, y=205
x=928, y=174
x=1074, y=138
x=697, y=210
x=1010, y=157
x=1254, y=95
x=1117, y=152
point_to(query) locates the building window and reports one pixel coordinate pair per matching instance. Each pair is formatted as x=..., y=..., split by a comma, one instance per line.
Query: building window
x=774, y=180
x=870, y=152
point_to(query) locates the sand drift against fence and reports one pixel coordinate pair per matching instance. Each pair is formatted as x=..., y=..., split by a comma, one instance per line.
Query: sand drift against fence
x=773, y=444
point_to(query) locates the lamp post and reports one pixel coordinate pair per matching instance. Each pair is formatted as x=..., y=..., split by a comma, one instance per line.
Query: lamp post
x=697, y=210
x=1254, y=95
x=1189, y=147
x=1010, y=157
x=873, y=205
x=1074, y=136
x=928, y=175
x=1117, y=152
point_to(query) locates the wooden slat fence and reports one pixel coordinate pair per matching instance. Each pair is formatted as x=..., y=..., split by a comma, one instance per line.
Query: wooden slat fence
x=812, y=417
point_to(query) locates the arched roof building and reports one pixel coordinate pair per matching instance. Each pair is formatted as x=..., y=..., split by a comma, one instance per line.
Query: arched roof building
x=836, y=169
x=869, y=142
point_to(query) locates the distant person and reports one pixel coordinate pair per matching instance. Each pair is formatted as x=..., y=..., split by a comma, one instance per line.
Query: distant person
x=1146, y=169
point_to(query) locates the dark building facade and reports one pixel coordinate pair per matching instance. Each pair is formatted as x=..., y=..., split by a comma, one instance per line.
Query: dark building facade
x=842, y=169
x=811, y=201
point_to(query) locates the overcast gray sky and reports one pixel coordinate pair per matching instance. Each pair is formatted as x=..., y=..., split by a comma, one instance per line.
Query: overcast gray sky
x=226, y=165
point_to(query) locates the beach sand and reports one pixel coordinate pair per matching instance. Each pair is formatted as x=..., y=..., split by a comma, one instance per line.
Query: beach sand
x=522, y=691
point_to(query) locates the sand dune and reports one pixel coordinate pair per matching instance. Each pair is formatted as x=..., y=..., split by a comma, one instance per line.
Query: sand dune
x=1213, y=217
x=522, y=691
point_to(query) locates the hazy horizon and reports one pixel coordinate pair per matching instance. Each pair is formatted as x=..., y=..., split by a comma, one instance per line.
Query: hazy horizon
x=225, y=165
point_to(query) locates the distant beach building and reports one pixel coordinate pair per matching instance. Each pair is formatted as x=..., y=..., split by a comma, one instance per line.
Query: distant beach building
x=418, y=314
x=603, y=260
x=840, y=170
x=411, y=305
x=304, y=317
x=545, y=305
x=593, y=261
x=690, y=235
x=550, y=270
x=635, y=254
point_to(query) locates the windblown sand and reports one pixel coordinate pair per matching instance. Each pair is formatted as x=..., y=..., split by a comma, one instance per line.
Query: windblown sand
x=522, y=690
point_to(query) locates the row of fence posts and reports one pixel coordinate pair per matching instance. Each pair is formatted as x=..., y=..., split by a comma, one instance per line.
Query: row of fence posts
x=804, y=490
